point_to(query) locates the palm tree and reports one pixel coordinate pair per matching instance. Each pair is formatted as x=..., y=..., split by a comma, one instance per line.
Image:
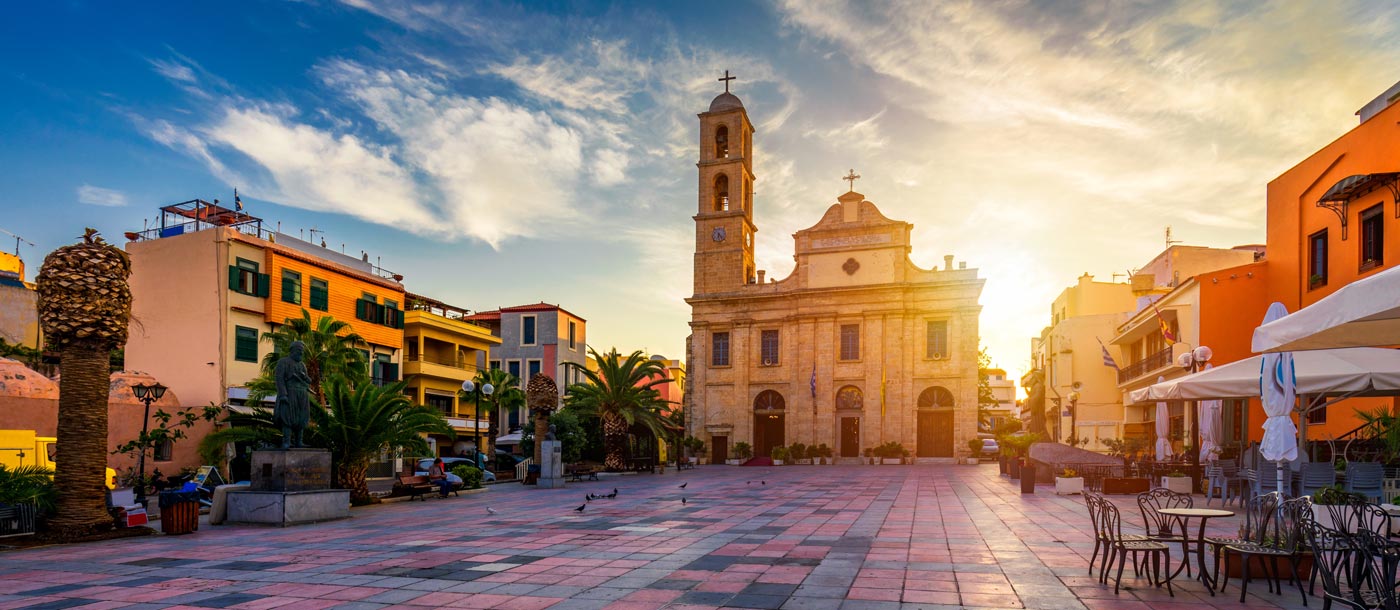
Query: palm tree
x=622, y=393
x=330, y=352
x=84, y=308
x=362, y=422
x=506, y=393
x=252, y=426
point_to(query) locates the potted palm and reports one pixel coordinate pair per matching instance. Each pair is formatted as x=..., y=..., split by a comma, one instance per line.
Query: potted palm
x=1069, y=482
x=742, y=452
x=891, y=453
x=1178, y=482
x=779, y=455
x=799, y=453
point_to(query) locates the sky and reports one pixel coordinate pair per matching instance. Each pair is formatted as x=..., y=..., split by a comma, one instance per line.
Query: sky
x=497, y=154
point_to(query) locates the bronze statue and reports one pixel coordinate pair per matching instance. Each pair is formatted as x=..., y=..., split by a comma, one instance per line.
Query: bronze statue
x=293, y=410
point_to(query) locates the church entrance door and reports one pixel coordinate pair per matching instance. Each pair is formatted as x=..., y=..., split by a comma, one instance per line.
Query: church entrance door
x=935, y=434
x=719, y=449
x=767, y=433
x=850, y=437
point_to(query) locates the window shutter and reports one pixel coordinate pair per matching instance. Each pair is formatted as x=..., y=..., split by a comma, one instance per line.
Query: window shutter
x=319, y=298
x=264, y=284
x=233, y=273
x=379, y=313
x=290, y=292
x=391, y=372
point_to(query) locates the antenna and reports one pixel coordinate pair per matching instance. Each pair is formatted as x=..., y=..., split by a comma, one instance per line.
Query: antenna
x=312, y=233
x=1117, y=275
x=1169, y=239
x=18, y=240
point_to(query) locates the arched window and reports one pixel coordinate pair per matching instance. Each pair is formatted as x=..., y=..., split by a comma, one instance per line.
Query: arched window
x=850, y=397
x=768, y=400
x=936, y=397
x=721, y=193
x=722, y=142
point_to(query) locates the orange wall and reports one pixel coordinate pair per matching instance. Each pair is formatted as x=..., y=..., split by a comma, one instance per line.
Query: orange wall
x=345, y=289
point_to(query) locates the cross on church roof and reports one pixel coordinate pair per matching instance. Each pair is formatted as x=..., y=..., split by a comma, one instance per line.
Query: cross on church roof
x=851, y=177
x=726, y=80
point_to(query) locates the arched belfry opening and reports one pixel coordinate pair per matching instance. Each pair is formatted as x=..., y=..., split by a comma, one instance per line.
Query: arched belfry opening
x=721, y=193
x=722, y=142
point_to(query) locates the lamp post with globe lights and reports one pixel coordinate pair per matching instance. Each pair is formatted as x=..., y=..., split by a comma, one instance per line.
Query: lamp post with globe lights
x=1194, y=361
x=476, y=392
x=147, y=394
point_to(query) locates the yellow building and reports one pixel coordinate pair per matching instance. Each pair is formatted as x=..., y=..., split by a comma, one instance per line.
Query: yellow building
x=442, y=348
x=19, y=313
x=210, y=282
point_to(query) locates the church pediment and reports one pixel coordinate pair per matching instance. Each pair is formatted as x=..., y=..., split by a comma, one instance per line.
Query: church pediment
x=853, y=224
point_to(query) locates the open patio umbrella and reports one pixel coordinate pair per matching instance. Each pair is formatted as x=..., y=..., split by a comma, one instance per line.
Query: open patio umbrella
x=1276, y=385
x=1346, y=372
x=1361, y=314
x=1164, y=444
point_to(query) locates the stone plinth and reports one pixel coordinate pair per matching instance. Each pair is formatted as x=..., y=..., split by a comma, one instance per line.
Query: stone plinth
x=284, y=508
x=552, y=470
x=291, y=470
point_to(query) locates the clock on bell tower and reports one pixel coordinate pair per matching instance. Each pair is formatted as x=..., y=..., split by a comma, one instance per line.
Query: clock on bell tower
x=724, y=226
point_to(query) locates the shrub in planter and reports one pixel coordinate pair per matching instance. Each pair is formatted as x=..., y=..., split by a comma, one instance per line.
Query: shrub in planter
x=974, y=449
x=1178, y=482
x=869, y=455
x=471, y=476
x=1069, y=482
x=823, y=453
x=799, y=453
x=890, y=452
x=779, y=455
x=742, y=451
x=1327, y=497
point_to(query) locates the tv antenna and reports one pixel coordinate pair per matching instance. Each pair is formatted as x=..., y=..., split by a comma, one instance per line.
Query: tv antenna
x=18, y=241
x=1169, y=239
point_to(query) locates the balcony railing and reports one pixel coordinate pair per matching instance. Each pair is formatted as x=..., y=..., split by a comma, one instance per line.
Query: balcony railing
x=1145, y=366
x=456, y=363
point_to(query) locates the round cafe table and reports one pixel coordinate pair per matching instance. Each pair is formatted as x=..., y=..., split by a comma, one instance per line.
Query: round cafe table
x=1204, y=514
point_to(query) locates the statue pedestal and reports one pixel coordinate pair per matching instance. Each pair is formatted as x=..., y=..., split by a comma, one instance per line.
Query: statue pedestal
x=289, y=487
x=552, y=468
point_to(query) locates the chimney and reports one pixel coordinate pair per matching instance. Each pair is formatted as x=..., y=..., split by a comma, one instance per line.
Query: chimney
x=760, y=275
x=947, y=262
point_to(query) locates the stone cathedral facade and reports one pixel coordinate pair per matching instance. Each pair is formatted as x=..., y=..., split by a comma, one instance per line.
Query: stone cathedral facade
x=857, y=347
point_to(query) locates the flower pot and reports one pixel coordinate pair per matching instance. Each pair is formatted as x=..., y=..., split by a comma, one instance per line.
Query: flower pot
x=1069, y=485
x=1001, y=464
x=734, y=462
x=891, y=461
x=777, y=462
x=1181, y=485
x=1013, y=467
x=803, y=462
x=1028, y=478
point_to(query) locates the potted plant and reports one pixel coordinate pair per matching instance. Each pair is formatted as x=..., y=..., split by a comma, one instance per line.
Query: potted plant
x=974, y=451
x=906, y=454
x=869, y=455
x=822, y=453
x=779, y=454
x=1069, y=482
x=799, y=454
x=697, y=449
x=890, y=453
x=742, y=452
x=1020, y=445
x=1178, y=482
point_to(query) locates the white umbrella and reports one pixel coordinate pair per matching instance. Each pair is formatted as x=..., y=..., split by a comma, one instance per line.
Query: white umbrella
x=1276, y=384
x=1164, y=444
x=1208, y=413
x=1362, y=313
x=1352, y=371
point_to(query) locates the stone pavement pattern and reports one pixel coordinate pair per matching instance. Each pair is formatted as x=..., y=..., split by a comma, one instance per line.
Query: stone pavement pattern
x=811, y=538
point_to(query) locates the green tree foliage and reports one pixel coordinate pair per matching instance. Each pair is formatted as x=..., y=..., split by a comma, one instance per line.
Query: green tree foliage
x=170, y=427
x=985, y=398
x=622, y=395
x=506, y=393
x=28, y=485
x=331, y=352
x=569, y=429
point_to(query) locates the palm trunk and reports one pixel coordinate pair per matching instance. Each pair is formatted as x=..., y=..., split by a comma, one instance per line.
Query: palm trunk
x=352, y=477
x=614, y=442
x=82, y=439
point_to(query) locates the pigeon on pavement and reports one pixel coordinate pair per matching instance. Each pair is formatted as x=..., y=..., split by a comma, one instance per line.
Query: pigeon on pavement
x=490, y=510
x=682, y=500
x=684, y=484
x=581, y=507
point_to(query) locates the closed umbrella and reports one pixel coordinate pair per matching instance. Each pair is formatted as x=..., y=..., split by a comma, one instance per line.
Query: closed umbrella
x=1208, y=413
x=1164, y=444
x=1276, y=386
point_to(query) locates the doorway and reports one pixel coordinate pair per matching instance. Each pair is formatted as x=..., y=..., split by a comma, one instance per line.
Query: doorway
x=719, y=449
x=935, y=433
x=768, y=431
x=850, y=437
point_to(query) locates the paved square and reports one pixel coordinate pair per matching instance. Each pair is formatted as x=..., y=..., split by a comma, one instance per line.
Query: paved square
x=793, y=537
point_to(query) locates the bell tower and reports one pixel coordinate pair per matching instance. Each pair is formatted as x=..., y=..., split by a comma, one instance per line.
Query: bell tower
x=724, y=229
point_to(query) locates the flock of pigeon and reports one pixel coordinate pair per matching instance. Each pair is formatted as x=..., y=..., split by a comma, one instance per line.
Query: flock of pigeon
x=591, y=497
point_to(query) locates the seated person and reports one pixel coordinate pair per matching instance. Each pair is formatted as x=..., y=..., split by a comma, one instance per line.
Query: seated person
x=437, y=475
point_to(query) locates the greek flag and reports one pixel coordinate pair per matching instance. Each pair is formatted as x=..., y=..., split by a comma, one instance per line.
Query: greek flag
x=1107, y=357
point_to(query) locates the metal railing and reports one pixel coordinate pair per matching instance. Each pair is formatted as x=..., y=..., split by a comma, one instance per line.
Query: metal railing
x=523, y=468
x=1142, y=367
x=458, y=363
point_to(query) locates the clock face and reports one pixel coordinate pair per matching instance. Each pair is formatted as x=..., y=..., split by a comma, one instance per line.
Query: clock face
x=717, y=234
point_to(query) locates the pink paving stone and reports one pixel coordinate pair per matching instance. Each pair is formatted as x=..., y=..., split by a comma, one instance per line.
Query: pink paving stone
x=583, y=581
x=930, y=585
x=28, y=601
x=355, y=593
x=931, y=597
x=544, y=579
x=878, y=583
x=690, y=607
x=716, y=586
x=991, y=601
x=747, y=567
x=632, y=606
x=652, y=595
x=980, y=587
x=101, y=606
x=502, y=577
x=883, y=595
x=439, y=598
x=310, y=604
x=292, y=589
x=481, y=601
x=266, y=603
x=690, y=575
x=785, y=579
x=527, y=602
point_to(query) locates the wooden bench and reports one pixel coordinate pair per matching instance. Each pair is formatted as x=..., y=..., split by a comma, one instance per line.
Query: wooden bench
x=576, y=472
x=416, y=486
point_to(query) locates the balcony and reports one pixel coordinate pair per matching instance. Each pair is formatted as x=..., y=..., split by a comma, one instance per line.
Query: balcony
x=1145, y=366
x=448, y=368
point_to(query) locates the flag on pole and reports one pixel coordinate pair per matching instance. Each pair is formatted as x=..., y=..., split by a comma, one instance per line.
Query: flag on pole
x=814, y=381
x=882, y=389
x=1107, y=357
x=237, y=201
x=1166, y=328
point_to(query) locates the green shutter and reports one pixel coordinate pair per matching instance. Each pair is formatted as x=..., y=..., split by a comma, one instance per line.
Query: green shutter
x=320, y=297
x=264, y=285
x=291, y=289
x=245, y=346
x=379, y=313
x=391, y=372
x=233, y=274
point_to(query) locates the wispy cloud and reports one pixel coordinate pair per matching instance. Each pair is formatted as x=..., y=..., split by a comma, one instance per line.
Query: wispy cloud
x=96, y=195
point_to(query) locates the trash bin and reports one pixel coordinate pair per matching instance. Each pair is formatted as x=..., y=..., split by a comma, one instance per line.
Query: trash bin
x=179, y=512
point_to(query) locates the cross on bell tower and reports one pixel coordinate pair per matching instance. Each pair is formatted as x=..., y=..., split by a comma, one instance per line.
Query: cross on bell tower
x=851, y=177
x=726, y=80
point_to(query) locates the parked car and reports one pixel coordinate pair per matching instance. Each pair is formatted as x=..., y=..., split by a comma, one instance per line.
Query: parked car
x=990, y=447
x=449, y=463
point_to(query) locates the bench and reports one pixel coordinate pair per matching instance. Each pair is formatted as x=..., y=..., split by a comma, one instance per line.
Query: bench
x=417, y=485
x=578, y=472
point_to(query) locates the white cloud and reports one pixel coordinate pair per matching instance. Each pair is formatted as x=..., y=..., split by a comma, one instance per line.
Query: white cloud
x=174, y=71
x=96, y=195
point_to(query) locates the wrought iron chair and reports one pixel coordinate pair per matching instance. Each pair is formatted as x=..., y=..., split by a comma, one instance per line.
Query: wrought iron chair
x=1367, y=479
x=1275, y=525
x=1159, y=527
x=1346, y=564
x=1120, y=546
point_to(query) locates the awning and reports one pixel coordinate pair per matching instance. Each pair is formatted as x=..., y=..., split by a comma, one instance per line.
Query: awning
x=1357, y=371
x=1351, y=187
x=1363, y=313
x=509, y=439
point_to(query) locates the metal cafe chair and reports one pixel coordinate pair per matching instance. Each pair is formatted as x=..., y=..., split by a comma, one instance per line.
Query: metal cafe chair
x=1120, y=546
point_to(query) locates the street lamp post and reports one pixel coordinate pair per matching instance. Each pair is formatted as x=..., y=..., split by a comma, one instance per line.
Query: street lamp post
x=147, y=394
x=477, y=392
x=1192, y=362
x=1074, y=415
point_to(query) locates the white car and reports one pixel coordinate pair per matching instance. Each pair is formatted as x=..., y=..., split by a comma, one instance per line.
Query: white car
x=449, y=463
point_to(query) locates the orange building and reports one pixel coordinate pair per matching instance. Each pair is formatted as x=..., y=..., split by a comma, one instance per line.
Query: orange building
x=1327, y=227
